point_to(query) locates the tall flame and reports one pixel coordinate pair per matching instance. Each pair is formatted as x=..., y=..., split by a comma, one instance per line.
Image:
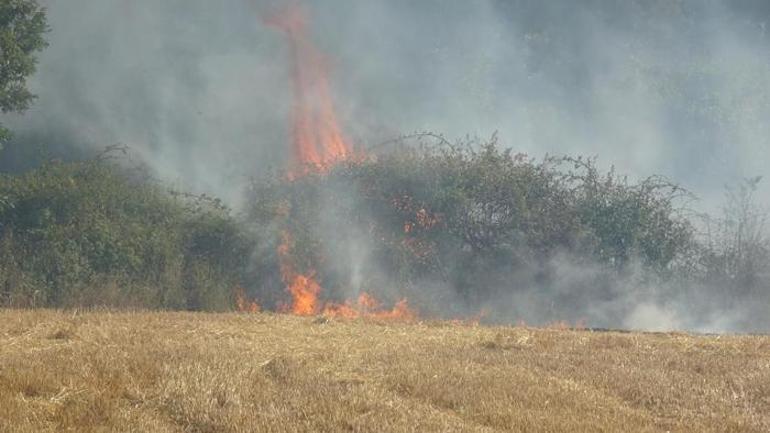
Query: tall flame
x=317, y=140
x=317, y=144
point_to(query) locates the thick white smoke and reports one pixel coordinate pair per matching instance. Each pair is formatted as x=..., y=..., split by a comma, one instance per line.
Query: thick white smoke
x=201, y=90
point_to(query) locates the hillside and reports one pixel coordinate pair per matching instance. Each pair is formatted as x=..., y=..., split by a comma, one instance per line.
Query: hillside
x=195, y=372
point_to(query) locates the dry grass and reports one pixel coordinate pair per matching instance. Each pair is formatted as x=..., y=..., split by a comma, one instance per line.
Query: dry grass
x=175, y=372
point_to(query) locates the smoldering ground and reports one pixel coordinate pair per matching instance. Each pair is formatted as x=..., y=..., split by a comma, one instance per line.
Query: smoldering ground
x=200, y=91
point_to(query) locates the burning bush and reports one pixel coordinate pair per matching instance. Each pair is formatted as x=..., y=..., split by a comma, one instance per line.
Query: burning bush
x=452, y=229
x=475, y=219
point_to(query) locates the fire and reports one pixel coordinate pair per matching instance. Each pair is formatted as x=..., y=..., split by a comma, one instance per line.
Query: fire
x=317, y=140
x=317, y=144
x=304, y=289
x=369, y=307
x=243, y=304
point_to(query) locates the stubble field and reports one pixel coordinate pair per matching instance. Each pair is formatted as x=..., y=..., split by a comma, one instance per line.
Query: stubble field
x=185, y=372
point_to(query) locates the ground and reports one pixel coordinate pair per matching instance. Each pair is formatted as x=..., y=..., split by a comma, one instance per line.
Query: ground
x=187, y=372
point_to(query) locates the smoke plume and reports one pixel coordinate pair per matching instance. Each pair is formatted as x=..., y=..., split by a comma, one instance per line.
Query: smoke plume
x=202, y=91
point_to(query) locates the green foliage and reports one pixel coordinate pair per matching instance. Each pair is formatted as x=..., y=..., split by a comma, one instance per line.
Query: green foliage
x=478, y=220
x=473, y=217
x=22, y=25
x=93, y=233
x=630, y=221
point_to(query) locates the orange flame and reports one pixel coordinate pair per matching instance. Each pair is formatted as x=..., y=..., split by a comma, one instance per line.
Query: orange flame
x=369, y=307
x=318, y=141
x=243, y=304
x=317, y=144
x=304, y=289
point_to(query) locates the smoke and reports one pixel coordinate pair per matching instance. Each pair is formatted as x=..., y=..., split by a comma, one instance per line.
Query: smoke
x=201, y=90
x=676, y=88
x=198, y=90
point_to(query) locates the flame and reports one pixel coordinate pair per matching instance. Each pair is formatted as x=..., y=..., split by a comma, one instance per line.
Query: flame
x=317, y=140
x=243, y=304
x=317, y=144
x=304, y=289
x=369, y=307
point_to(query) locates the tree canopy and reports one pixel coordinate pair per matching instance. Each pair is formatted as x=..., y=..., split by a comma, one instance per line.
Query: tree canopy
x=22, y=27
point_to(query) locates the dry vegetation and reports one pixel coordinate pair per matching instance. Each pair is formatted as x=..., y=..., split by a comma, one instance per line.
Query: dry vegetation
x=180, y=372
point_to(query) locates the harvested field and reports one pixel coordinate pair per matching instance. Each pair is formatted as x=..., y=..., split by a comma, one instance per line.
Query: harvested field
x=185, y=372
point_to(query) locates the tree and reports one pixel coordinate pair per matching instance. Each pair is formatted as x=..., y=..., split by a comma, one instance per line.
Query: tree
x=737, y=247
x=22, y=25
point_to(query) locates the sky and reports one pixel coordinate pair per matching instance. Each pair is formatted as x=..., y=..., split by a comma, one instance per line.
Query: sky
x=200, y=90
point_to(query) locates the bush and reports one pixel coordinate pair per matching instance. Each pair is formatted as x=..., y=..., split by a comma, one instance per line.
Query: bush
x=93, y=233
x=735, y=252
x=480, y=221
x=446, y=226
